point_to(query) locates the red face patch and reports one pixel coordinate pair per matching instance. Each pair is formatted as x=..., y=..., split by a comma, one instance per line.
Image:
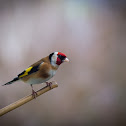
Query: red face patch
x=60, y=58
x=62, y=54
x=58, y=62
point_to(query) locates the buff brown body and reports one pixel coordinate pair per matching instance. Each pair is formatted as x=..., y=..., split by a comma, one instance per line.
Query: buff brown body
x=42, y=70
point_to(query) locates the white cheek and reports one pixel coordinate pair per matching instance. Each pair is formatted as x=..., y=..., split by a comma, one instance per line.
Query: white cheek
x=54, y=60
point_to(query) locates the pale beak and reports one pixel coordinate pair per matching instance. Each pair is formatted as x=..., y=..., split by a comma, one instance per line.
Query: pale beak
x=66, y=60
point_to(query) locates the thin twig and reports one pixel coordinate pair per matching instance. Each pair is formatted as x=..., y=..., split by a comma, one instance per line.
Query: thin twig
x=25, y=99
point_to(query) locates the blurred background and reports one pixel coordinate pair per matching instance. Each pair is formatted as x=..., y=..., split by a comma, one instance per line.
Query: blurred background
x=92, y=87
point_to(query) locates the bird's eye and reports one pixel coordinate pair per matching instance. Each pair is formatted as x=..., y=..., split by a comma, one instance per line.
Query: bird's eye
x=61, y=57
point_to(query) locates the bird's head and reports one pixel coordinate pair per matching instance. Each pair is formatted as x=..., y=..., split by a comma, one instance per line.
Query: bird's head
x=57, y=58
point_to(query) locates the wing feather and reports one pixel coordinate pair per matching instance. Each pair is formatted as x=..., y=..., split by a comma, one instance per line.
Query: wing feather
x=33, y=68
x=29, y=71
x=25, y=72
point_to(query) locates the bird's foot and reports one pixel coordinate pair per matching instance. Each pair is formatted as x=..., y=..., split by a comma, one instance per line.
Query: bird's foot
x=34, y=94
x=49, y=84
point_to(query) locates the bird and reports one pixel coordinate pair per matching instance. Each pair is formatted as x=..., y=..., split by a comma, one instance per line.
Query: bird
x=41, y=71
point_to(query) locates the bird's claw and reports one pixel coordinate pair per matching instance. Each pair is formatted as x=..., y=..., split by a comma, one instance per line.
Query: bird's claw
x=49, y=84
x=34, y=94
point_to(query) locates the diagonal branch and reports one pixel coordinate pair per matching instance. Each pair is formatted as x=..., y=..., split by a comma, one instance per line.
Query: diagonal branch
x=25, y=99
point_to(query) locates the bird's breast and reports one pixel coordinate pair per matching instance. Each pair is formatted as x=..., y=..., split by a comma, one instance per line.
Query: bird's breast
x=41, y=79
x=52, y=72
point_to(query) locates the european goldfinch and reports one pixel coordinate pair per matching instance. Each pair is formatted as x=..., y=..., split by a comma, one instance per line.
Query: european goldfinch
x=41, y=71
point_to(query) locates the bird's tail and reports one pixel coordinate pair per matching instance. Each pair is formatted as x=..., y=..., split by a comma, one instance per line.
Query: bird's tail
x=10, y=82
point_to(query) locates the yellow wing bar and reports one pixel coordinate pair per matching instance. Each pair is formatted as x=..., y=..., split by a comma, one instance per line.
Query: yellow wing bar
x=25, y=72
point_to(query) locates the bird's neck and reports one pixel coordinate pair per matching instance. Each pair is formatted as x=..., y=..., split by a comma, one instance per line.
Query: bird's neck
x=54, y=65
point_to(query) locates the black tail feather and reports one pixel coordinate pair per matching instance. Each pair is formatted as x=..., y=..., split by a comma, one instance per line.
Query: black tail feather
x=10, y=82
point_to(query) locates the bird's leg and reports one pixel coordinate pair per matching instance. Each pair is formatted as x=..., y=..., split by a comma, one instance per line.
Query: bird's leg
x=49, y=84
x=34, y=94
